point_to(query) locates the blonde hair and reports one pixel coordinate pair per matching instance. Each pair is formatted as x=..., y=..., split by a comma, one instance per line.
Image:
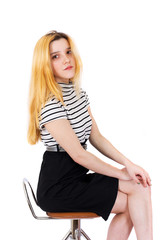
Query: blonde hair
x=43, y=83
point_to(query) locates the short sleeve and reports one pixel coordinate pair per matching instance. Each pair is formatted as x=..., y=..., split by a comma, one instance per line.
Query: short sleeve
x=52, y=110
x=86, y=98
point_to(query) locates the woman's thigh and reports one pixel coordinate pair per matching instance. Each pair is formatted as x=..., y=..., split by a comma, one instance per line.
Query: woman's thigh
x=127, y=188
x=121, y=203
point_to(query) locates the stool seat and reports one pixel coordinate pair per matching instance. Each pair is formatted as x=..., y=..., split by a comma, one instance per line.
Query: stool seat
x=75, y=231
x=72, y=215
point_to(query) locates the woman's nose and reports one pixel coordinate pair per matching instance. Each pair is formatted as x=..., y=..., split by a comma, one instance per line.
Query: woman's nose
x=66, y=59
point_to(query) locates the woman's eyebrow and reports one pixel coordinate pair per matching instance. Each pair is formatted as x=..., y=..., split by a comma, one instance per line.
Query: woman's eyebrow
x=59, y=51
x=55, y=52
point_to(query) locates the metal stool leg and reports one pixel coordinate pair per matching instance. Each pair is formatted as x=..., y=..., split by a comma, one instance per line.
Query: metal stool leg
x=75, y=232
x=76, y=229
x=85, y=235
x=67, y=235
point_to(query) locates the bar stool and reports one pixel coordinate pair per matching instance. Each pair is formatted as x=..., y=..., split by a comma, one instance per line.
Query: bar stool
x=75, y=231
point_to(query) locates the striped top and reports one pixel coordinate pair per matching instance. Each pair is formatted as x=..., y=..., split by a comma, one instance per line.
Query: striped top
x=75, y=110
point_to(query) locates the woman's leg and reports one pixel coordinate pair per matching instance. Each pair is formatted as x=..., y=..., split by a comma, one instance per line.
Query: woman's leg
x=140, y=208
x=121, y=225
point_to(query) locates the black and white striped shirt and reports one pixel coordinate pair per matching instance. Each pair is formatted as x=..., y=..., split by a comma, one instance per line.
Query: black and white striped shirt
x=75, y=110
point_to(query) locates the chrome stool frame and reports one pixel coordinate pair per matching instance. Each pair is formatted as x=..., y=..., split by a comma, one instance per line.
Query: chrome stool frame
x=75, y=231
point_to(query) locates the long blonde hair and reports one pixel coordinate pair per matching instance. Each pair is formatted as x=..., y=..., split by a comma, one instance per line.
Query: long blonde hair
x=43, y=83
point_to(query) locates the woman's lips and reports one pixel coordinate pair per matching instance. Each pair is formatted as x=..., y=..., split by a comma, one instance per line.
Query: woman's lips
x=68, y=68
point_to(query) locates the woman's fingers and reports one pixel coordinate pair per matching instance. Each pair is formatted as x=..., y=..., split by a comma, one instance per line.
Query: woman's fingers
x=144, y=179
x=148, y=179
x=137, y=179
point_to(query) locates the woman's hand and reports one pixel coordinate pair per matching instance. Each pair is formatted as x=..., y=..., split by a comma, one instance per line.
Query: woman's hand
x=125, y=175
x=138, y=174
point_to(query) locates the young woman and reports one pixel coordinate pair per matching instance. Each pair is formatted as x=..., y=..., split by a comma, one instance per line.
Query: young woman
x=61, y=117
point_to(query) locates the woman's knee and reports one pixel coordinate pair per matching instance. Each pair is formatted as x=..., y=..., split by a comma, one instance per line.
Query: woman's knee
x=121, y=203
x=130, y=188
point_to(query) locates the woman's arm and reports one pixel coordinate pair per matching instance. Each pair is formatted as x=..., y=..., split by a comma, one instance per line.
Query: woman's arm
x=103, y=145
x=107, y=149
x=66, y=137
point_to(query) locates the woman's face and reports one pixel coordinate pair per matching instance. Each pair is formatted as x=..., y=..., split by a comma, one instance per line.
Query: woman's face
x=62, y=60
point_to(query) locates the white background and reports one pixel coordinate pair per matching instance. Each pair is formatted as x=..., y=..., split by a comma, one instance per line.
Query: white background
x=119, y=43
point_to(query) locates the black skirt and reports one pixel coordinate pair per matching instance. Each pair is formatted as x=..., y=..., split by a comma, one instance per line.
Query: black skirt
x=65, y=186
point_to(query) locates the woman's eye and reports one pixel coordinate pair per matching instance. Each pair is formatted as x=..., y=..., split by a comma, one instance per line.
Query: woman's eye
x=55, y=57
x=69, y=52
